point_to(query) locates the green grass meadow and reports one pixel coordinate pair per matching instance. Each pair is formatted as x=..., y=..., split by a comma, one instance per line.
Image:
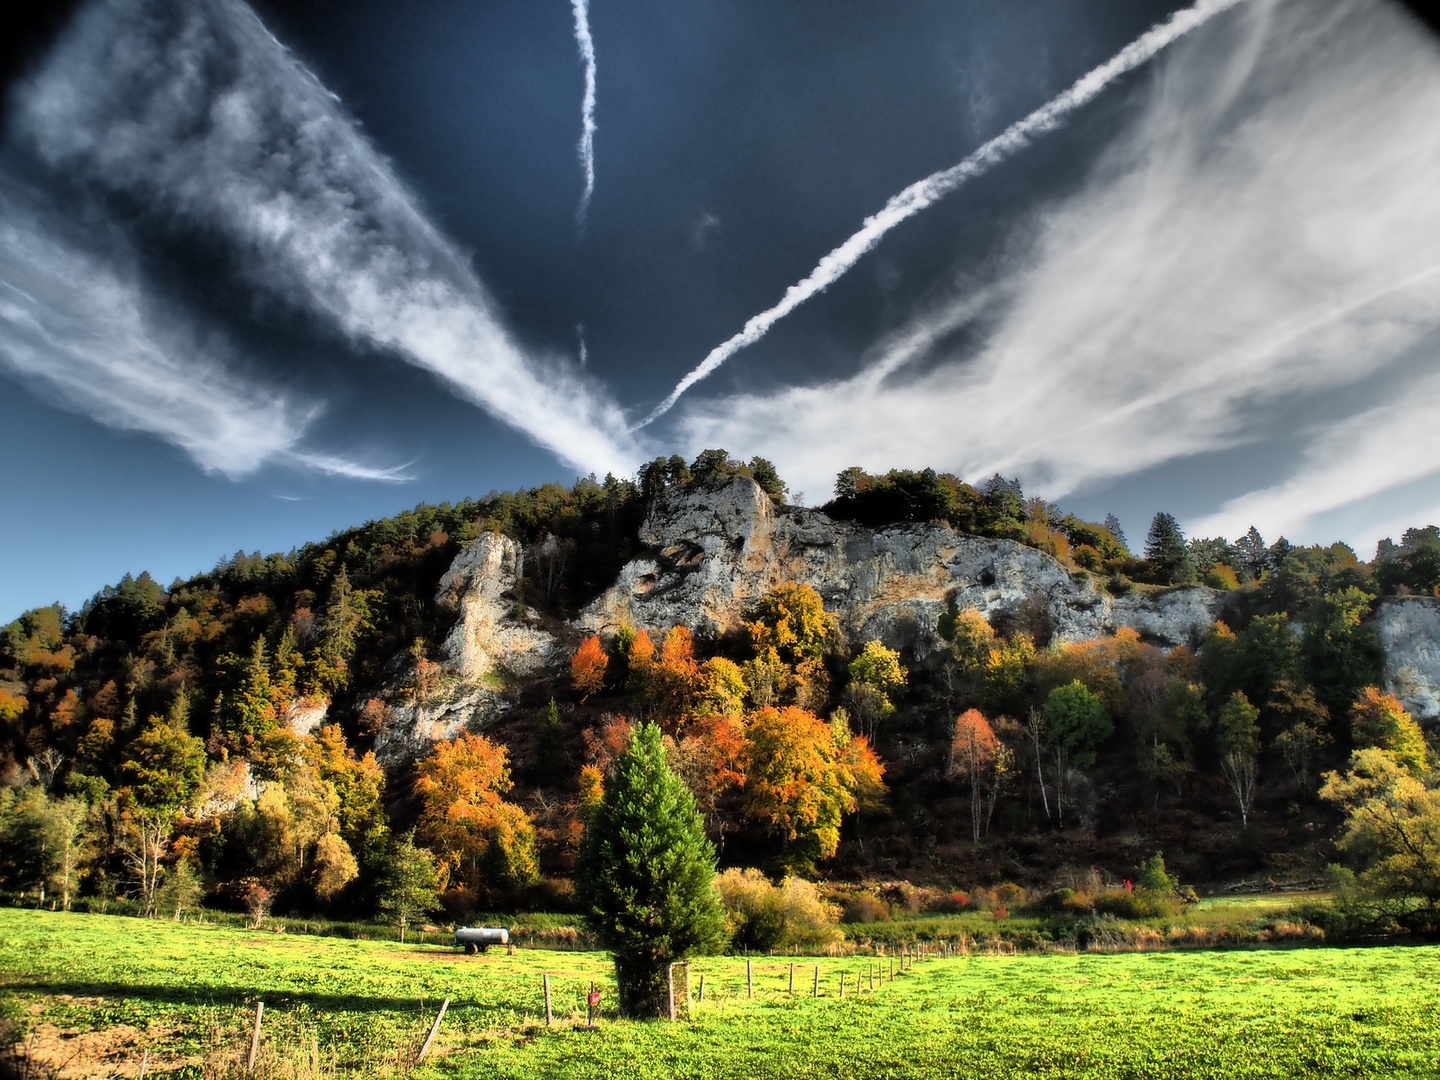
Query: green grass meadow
x=89, y=994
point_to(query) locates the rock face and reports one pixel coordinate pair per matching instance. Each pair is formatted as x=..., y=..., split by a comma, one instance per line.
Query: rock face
x=1173, y=617
x=492, y=640
x=305, y=716
x=491, y=635
x=717, y=552
x=1409, y=632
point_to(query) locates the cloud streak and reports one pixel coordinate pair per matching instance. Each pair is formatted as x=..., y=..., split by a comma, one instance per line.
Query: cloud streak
x=196, y=113
x=123, y=358
x=925, y=193
x=586, y=147
x=1261, y=246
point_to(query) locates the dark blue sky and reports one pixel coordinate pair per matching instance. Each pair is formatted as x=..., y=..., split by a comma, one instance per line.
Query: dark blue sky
x=249, y=296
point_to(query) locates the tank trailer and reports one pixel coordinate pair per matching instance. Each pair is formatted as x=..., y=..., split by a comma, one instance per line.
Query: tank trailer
x=479, y=938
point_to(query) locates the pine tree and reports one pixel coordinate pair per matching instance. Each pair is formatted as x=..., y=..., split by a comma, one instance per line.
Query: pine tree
x=1165, y=549
x=646, y=874
x=408, y=888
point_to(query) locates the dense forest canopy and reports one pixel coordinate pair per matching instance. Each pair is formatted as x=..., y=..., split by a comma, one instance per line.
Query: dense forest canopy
x=146, y=742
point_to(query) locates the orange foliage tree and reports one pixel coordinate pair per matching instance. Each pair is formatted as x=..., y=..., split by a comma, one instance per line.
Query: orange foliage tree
x=485, y=840
x=973, y=752
x=801, y=777
x=587, y=667
x=601, y=748
x=707, y=755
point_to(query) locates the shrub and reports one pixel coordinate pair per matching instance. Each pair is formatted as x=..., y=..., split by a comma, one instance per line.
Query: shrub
x=864, y=908
x=763, y=916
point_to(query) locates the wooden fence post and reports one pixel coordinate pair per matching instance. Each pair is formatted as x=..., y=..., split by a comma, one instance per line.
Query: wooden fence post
x=815, y=990
x=702, y=989
x=435, y=1028
x=670, y=988
x=749, y=980
x=545, y=981
x=842, y=986
x=255, y=1039
x=792, y=978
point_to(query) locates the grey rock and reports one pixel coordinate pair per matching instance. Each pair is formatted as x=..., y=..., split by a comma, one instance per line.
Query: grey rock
x=714, y=553
x=490, y=635
x=410, y=730
x=1169, y=618
x=1409, y=631
x=491, y=642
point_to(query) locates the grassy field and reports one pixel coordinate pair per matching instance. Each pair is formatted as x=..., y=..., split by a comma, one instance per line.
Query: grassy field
x=91, y=993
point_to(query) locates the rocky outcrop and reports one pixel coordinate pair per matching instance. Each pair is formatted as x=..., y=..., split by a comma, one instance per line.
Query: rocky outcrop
x=491, y=634
x=305, y=716
x=410, y=729
x=494, y=640
x=1169, y=618
x=714, y=553
x=1408, y=628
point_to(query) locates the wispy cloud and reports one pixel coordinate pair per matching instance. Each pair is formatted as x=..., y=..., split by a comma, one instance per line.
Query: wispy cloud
x=83, y=327
x=1264, y=236
x=925, y=193
x=586, y=146
x=196, y=112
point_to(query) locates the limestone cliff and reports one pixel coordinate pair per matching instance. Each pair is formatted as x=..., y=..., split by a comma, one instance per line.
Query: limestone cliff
x=713, y=553
x=494, y=641
x=716, y=552
x=1409, y=631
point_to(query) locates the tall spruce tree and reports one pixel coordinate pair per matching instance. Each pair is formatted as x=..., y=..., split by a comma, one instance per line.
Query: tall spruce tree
x=646, y=874
x=1165, y=550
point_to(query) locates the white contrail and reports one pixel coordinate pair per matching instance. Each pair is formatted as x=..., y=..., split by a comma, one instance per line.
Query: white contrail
x=587, y=108
x=924, y=193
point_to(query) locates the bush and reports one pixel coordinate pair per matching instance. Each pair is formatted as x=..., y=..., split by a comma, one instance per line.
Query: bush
x=864, y=908
x=762, y=916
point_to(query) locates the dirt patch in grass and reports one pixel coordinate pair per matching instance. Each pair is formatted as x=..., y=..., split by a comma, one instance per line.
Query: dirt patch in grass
x=68, y=1052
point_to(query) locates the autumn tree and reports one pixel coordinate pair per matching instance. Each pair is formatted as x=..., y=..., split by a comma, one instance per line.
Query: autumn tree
x=359, y=782
x=790, y=631
x=161, y=769
x=486, y=840
x=874, y=675
x=1392, y=829
x=798, y=779
x=1378, y=719
x=1238, y=739
x=1006, y=673
x=978, y=758
x=646, y=873
x=587, y=667
x=674, y=679
x=971, y=639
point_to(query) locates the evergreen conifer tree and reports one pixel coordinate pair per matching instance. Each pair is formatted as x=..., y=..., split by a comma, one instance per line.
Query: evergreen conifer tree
x=1165, y=548
x=646, y=874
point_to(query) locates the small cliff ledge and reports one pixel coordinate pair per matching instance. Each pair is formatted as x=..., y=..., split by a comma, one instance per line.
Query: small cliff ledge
x=716, y=552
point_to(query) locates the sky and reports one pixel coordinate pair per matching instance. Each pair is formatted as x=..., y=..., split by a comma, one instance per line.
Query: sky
x=268, y=271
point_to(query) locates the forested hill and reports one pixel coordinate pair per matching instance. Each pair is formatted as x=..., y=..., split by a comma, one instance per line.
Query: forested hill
x=182, y=710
